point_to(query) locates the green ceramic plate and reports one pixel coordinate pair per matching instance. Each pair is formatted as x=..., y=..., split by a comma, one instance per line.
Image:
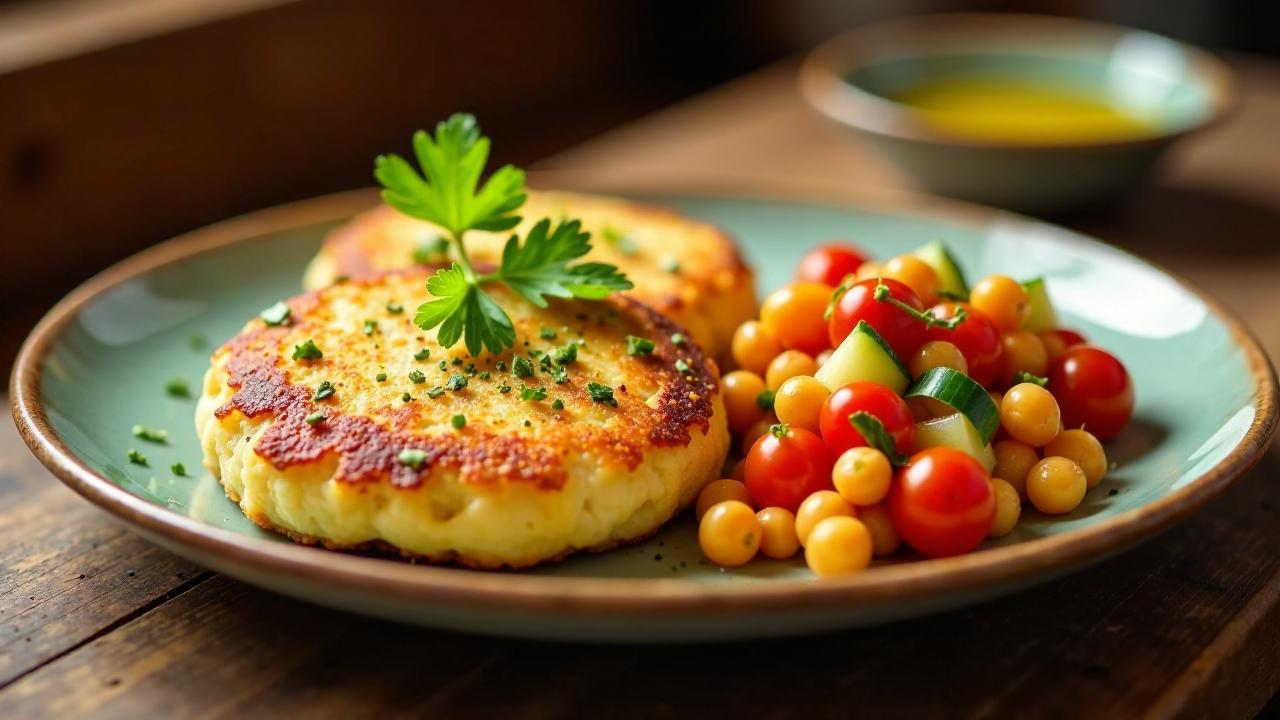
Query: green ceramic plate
x=100, y=361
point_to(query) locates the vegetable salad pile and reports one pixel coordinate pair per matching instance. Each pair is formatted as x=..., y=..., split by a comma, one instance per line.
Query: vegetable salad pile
x=886, y=403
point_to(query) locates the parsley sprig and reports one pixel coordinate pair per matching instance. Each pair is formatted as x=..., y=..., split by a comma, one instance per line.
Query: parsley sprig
x=448, y=193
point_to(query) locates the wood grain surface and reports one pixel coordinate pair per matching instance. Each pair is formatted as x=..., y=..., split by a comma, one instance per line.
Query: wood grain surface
x=95, y=622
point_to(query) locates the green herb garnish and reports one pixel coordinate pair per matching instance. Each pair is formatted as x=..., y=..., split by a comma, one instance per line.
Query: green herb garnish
x=504, y=388
x=444, y=366
x=178, y=388
x=567, y=355
x=152, y=435
x=325, y=391
x=136, y=457
x=458, y=421
x=670, y=264
x=557, y=404
x=625, y=244
x=412, y=457
x=435, y=392
x=681, y=366
x=765, y=399
x=395, y=308
x=422, y=354
x=500, y=366
x=456, y=382
x=559, y=375
x=639, y=345
x=530, y=393
x=678, y=339
x=601, y=394
x=380, y=377
x=307, y=351
x=521, y=367
x=448, y=193
x=277, y=314
x=178, y=469
x=406, y=398
x=1023, y=376
x=370, y=327
x=416, y=377
x=547, y=333
x=315, y=417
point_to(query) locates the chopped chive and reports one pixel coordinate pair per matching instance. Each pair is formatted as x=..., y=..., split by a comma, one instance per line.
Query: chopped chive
x=547, y=333
x=307, y=351
x=456, y=382
x=484, y=374
x=277, y=314
x=435, y=392
x=380, y=377
x=457, y=360
x=678, y=339
x=406, y=397
x=370, y=327
x=150, y=434
x=521, y=367
x=416, y=377
x=178, y=387
x=458, y=421
x=178, y=469
x=444, y=366
x=567, y=354
x=316, y=417
x=530, y=393
x=601, y=394
x=395, y=308
x=470, y=369
x=325, y=391
x=639, y=345
x=422, y=354
x=136, y=457
x=557, y=404
x=765, y=399
x=504, y=388
x=501, y=366
x=681, y=366
x=412, y=457
x=560, y=375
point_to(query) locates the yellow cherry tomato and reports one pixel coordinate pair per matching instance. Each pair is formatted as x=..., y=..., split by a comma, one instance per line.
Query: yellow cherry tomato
x=729, y=533
x=1082, y=447
x=754, y=346
x=799, y=400
x=868, y=270
x=1054, y=345
x=1056, y=485
x=1023, y=352
x=936, y=353
x=794, y=314
x=884, y=536
x=1008, y=508
x=788, y=365
x=1002, y=299
x=816, y=507
x=915, y=274
x=862, y=475
x=717, y=491
x=838, y=545
x=1013, y=461
x=1030, y=414
x=741, y=390
x=779, y=540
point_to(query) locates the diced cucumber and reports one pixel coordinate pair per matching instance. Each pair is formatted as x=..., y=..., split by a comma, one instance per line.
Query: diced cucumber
x=864, y=357
x=958, y=390
x=949, y=274
x=1040, y=313
x=954, y=431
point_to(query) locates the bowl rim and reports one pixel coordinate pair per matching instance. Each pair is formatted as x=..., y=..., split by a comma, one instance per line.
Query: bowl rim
x=822, y=81
x=560, y=595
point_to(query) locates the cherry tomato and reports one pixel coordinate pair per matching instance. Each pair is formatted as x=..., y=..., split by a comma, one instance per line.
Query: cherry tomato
x=903, y=332
x=1057, y=340
x=787, y=465
x=976, y=336
x=794, y=314
x=942, y=502
x=874, y=398
x=1093, y=390
x=829, y=264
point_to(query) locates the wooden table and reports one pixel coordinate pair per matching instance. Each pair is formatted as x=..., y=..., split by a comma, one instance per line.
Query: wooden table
x=98, y=622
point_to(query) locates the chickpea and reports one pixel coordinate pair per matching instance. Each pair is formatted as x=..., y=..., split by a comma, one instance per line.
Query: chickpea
x=779, y=540
x=717, y=491
x=729, y=533
x=1056, y=485
x=1030, y=414
x=788, y=365
x=1013, y=461
x=884, y=536
x=1023, y=352
x=936, y=353
x=799, y=400
x=838, y=546
x=818, y=506
x=754, y=346
x=862, y=475
x=1082, y=447
x=1002, y=299
x=741, y=388
x=1008, y=508
x=795, y=315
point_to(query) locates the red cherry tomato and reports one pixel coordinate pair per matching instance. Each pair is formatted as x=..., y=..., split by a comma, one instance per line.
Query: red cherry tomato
x=1093, y=389
x=903, y=332
x=942, y=503
x=976, y=336
x=830, y=264
x=787, y=466
x=892, y=411
x=1069, y=338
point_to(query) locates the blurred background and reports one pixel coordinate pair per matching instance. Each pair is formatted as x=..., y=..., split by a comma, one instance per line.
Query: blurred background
x=124, y=122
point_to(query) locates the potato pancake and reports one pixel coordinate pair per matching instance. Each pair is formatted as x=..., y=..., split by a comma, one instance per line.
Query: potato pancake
x=688, y=270
x=347, y=425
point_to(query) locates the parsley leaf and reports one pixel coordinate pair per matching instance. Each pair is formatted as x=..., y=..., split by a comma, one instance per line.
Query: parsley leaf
x=539, y=267
x=449, y=193
x=464, y=311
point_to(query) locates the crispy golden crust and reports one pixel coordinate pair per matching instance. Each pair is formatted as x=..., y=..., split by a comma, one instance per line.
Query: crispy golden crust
x=710, y=292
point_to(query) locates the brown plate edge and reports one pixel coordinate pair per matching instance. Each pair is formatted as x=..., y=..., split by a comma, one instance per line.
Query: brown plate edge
x=561, y=595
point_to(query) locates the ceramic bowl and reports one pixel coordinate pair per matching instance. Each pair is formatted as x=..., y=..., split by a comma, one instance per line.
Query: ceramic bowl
x=1178, y=88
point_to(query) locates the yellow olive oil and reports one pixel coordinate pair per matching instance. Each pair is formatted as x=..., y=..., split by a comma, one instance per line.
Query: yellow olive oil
x=1006, y=110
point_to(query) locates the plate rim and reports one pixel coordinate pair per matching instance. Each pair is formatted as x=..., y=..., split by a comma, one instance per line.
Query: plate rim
x=558, y=595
